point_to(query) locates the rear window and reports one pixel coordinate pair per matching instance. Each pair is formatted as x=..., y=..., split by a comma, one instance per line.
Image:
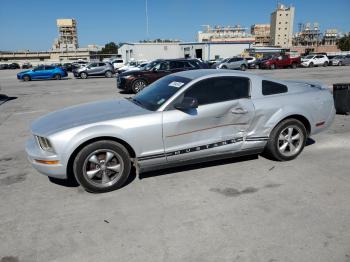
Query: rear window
x=272, y=88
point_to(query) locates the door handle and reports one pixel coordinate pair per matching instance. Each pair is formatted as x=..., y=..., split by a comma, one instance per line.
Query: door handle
x=239, y=111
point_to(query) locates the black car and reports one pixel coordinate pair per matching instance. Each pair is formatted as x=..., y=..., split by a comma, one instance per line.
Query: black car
x=26, y=66
x=4, y=66
x=14, y=66
x=68, y=67
x=135, y=81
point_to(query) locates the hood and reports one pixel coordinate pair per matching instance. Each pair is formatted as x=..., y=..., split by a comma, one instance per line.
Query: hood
x=26, y=71
x=131, y=72
x=86, y=114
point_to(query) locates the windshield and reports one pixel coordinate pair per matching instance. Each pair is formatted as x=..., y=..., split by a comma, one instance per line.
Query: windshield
x=156, y=94
x=338, y=57
x=309, y=57
x=149, y=66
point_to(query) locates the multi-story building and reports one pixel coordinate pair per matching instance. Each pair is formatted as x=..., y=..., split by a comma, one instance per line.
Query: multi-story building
x=68, y=35
x=225, y=34
x=281, y=31
x=261, y=32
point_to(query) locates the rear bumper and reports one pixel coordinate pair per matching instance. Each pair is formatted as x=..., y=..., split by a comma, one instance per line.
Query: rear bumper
x=34, y=153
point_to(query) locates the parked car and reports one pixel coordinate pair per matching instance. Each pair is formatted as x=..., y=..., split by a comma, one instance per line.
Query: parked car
x=135, y=81
x=94, y=69
x=4, y=66
x=14, y=66
x=340, y=60
x=233, y=63
x=26, y=65
x=281, y=61
x=251, y=61
x=315, y=60
x=133, y=65
x=42, y=72
x=117, y=63
x=186, y=117
x=68, y=67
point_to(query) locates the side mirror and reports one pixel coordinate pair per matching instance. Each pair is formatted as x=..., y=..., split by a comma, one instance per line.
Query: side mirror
x=187, y=104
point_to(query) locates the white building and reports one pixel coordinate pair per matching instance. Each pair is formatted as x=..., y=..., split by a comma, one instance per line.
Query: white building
x=204, y=50
x=281, y=31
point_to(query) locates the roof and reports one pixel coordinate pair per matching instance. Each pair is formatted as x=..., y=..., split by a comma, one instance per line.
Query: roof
x=193, y=74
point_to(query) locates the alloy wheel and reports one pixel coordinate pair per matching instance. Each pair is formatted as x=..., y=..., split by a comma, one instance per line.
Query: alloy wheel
x=102, y=168
x=290, y=141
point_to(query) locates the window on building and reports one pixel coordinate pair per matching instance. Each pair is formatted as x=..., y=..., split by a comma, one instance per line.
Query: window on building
x=272, y=88
x=219, y=89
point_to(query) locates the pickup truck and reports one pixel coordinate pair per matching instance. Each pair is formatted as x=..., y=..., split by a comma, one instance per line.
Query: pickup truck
x=282, y=61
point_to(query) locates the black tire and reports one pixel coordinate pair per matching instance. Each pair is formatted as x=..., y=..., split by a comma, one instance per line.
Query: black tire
x=311, y=64
x=26, y=78
x=294, y=65
x=257, y=67
x=325, y=64
x=274, y=147
x=138, y=85
x=57, y=77
x=243, y=67
x=108, y=74
x=83, y=75
x=340, y=63
x=99, y=149
x=224, y=67
x=272, y=66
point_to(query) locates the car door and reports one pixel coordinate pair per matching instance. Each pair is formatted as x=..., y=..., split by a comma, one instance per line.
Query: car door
x=39, y=72
x=158, y=71
x=232, y=63
x=217, y=126
x=93, y=69
x=319, y=60
x=48, y=71
x=101, y=68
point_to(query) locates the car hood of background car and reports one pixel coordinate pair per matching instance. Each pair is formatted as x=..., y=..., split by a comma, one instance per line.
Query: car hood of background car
x=86, y=114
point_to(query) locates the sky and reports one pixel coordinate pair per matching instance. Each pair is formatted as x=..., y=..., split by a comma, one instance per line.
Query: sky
x=31, y=25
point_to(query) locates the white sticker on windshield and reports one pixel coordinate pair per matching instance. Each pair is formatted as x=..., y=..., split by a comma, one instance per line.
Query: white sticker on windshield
x=176, y=84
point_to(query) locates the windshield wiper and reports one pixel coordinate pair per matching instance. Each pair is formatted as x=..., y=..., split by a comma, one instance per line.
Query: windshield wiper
x=138, y=102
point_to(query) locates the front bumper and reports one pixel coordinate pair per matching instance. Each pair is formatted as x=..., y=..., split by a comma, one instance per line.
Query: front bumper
x=122, y=83
x=34, y=153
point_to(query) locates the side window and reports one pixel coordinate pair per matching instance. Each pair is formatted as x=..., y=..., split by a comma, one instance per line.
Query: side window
x=176, y=65
x=347, y=56
x=39, y=68
x=190, y=64
x=219, y=89
x=49, y=67
x=272, y=88
x=93, y=65
x=101, y=64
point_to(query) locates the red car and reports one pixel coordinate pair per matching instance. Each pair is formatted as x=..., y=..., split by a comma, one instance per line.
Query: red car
x=282, y=61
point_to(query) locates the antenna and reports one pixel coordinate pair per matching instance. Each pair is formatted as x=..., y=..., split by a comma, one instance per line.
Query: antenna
x=147, y=29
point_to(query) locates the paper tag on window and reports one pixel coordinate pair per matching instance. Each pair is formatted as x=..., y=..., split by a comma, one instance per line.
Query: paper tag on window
x=176, y=84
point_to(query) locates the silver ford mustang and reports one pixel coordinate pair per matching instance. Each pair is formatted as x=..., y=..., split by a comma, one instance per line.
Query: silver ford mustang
x=187, y=117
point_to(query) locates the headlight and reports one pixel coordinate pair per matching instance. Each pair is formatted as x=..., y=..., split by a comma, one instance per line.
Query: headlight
x=45, y=144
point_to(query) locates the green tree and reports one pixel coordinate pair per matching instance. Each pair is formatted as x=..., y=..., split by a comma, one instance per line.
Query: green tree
x=110, y=48
x=344, y=43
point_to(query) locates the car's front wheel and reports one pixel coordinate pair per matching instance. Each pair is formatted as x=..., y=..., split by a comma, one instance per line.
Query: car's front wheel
x=102, y=166
x=325, y=64
x=243, y=67
x=311, y=64
x=26, y=78
x=138, y=85
x=272, y=66
x=287, y=140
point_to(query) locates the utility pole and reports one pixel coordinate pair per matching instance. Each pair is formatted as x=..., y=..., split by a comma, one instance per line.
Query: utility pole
x=147, y=29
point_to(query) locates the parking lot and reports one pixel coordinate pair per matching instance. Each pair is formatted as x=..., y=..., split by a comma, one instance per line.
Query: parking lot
x=244, y=209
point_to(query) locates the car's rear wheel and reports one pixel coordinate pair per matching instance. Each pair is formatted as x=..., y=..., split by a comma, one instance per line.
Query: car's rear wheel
x=294, y=65
x=138, y=85
x=57, y=77
x=311, y=64
x=340, y=63
x=26, y=78
x=83, y=75
x=102, y=166
x=108, y=74
x=257, y=67
x=243, y=67
x=325, y=64
x=287, y=140
x=272, y=66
